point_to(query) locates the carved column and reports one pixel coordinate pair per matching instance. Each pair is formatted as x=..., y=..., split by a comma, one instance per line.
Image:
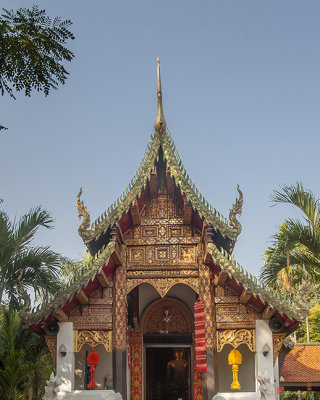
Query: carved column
x=136, y=348
x=197, y=377
x=207, y=295
x=120, y=319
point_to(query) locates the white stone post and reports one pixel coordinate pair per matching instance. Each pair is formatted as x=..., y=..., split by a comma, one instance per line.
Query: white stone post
x=65, y=362
x=264, y=364
x=276, y=376
x=264, y=359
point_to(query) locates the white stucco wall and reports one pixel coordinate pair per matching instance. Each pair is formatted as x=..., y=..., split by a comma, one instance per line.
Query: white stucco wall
x=264, y=364
x=65, y=365
x=185, y=294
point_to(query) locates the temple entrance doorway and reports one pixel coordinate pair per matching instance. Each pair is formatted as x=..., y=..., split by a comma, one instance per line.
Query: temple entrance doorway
x=168, y=370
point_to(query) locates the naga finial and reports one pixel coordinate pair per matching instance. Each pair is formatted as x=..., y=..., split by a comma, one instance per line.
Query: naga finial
x=236, y=210
x=160, y=122
x=82, y=212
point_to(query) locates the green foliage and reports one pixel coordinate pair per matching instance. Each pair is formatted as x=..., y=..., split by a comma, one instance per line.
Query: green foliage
x=32, y=51
x=24, y=360
x=293, y=260
x=23, y=266
x=314, y=327
x=303, y=395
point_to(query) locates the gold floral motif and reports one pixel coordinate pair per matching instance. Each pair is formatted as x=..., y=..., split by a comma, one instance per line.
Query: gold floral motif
x=120, y=309
x=167, y=253
x=207, y=295
x=136, y=351
x=163, y=285
x=278, y=339
x=157, y=271
x=236, y=337
x=166, y=316
x=51, y=342
x=92, y=338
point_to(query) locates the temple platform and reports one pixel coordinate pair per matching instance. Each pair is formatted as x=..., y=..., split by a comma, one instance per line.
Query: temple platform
x=89, y=395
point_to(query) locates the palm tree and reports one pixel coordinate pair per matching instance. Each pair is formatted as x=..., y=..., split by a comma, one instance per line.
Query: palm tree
x=24, y=360
x=23, y=266
x=294, y=257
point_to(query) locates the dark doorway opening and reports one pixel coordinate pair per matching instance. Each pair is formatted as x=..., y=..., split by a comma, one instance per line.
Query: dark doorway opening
x=168, y=373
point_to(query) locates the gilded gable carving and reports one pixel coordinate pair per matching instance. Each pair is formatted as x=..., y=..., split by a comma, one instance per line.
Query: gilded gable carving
x=162, y=251
x=97, y=314
x=224, y=294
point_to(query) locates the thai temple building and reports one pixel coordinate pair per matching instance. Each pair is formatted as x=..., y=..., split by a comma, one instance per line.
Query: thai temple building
x=163, y=311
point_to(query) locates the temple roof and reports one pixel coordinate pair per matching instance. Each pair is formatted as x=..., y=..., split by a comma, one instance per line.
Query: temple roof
x=230, y=228
x=160, y=139
x=301, y=365
x=103, y=263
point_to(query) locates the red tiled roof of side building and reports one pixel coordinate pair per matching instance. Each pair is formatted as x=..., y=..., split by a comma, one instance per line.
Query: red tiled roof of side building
x=302, y=364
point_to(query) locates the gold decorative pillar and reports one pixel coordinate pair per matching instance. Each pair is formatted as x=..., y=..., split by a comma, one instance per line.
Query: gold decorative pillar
x=197, y=377
x=206, y=288
x=51, y=342
x=136, y=348
x=120, y=321
x=278, y=339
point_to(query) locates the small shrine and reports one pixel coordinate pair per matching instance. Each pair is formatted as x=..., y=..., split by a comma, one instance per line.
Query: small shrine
x=163, y=311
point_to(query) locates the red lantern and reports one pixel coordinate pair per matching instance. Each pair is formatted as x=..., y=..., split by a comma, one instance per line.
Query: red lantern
x=93, y=361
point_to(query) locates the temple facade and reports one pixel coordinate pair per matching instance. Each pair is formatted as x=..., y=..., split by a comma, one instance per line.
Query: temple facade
x=163, y=310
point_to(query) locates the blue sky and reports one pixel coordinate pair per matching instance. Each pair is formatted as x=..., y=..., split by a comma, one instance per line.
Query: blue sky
x=240, y=94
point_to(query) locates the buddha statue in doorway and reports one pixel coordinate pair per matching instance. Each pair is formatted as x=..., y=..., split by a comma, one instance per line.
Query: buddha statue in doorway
x=177, y=376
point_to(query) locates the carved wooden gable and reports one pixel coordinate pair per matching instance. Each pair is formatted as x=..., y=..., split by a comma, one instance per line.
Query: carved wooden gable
x=231, y=313
x=96, y=313
x=162, y=246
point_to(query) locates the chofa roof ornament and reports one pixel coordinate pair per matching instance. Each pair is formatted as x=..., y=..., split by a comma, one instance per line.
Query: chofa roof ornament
x=236, y=210
x=160, y=122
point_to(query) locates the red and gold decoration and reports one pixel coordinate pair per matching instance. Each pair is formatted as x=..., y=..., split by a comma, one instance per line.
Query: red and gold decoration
x=120, y=310
x=197, y=377
x=136, y=348
x=166, y=316
x=93, y=361
x=235, y=359
x=200, y=336
x=207, y=295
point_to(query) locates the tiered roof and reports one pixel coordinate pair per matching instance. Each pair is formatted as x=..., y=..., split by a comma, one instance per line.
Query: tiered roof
x=161, y=140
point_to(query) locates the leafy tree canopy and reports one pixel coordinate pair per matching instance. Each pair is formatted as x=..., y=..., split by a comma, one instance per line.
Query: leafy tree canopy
x=32, y=51
x=314, y=327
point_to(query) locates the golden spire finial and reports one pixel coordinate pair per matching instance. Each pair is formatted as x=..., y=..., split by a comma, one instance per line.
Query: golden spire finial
x=160, y=122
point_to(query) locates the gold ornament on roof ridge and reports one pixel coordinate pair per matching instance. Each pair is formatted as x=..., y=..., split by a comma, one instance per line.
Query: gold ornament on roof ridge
x=160, y=122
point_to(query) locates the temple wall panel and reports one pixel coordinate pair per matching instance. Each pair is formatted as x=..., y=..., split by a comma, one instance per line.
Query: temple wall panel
x=97, y=314
x=120, y=309
x=103, y=373
x=246, y=369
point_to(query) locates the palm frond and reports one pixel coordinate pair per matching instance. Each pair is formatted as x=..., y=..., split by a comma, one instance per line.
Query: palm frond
x=29, y=223
x=299, y=197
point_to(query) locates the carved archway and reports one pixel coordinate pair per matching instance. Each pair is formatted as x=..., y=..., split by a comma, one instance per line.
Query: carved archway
x=163, y=285
x=167, y=316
